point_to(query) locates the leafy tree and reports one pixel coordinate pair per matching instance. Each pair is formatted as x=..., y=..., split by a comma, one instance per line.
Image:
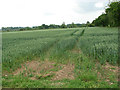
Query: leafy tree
x=113, y=13
x=44, y=26
x=73, y=25
x=88, y=23
x=53, y=26
x=111, y=16
x=63, y=25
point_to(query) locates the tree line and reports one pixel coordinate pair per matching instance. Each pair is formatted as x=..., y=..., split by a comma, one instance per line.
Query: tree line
x=44, y=26
x=111, y=17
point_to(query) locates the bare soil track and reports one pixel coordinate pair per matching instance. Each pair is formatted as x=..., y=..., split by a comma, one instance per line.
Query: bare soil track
x=44, y=69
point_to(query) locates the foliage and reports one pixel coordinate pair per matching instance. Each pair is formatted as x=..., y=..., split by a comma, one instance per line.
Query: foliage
x=63, y=25
x=43, y=26
x=111, y=16
x=72, y=25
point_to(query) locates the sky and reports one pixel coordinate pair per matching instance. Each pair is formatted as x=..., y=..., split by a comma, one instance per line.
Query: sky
x=30, y=13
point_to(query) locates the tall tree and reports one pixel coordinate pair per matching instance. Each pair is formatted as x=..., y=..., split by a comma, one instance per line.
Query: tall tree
x=111, y=16
x=63, y=25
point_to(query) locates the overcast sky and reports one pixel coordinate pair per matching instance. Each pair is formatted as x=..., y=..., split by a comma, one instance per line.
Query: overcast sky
x=37, y=12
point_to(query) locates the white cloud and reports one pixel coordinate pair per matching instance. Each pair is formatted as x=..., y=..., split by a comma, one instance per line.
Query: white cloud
x=99, y=5
x=37, y=12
